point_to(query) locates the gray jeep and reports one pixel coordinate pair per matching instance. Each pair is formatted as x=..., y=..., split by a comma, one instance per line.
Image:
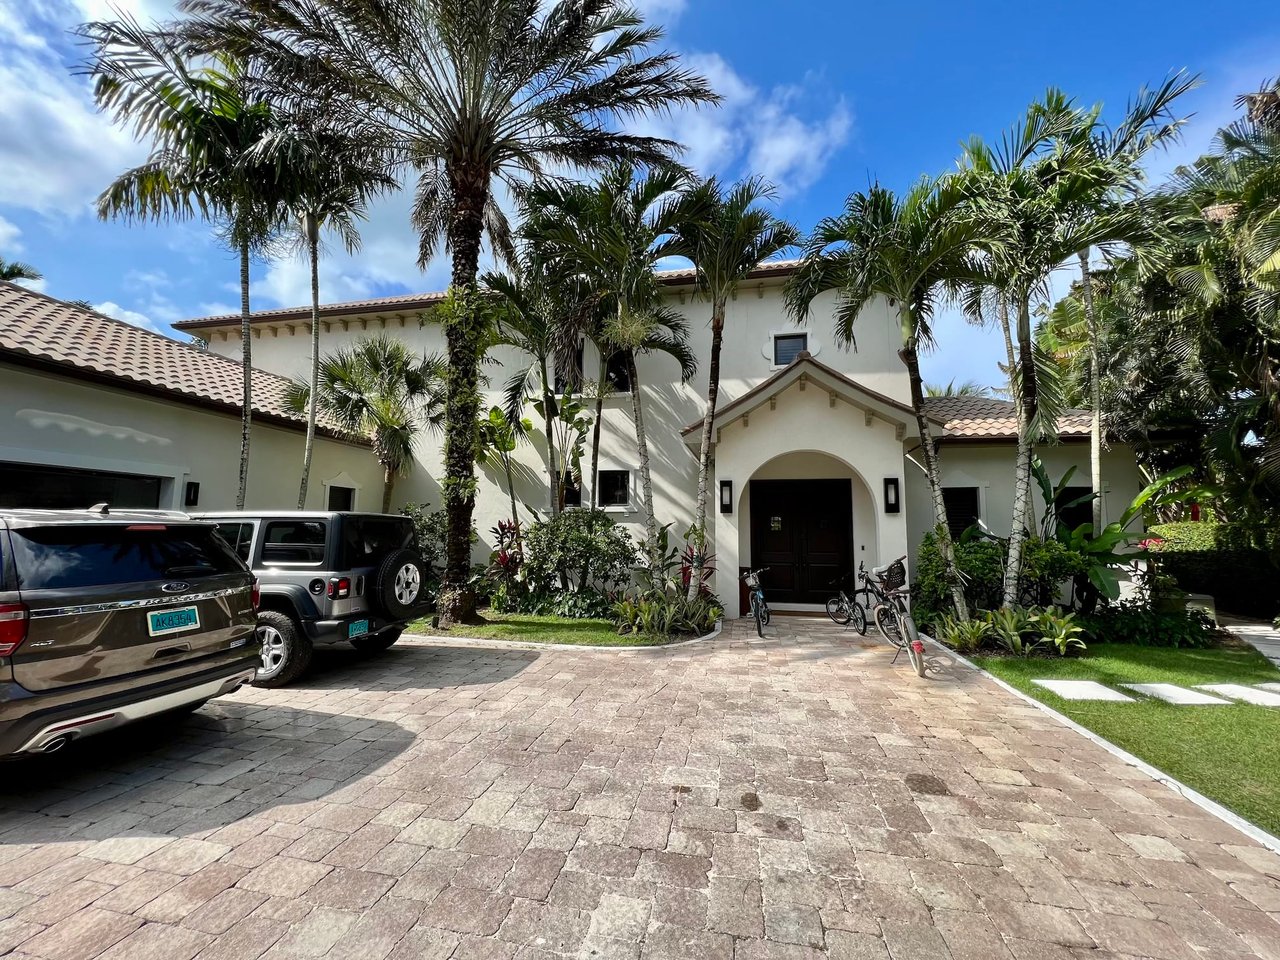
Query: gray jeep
x=326, y=578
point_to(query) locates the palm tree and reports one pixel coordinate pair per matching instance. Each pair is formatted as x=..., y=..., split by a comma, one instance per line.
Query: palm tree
x=204, y=126
x=328, y=179
x=378, y=388
x=472, y=94
x=912, y=250
x=966, y=388
x=12, y=270
x=612, y=233
x=726, y=235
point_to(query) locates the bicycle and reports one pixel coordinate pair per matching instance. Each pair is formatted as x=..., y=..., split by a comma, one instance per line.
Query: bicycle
x=844, y=607
x=759, y=608
x=893, y=614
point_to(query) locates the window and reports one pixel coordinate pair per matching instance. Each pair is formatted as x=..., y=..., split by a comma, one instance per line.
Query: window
x=570, y=381
x=342, y=498
x=239, y=537
x=615, y=488
x=1071, y=513
x=69, y=557
x=294, y=541
x=962, y=505
x=366, y=540
x=787, y=346
x=618, y=373
x=572, y=491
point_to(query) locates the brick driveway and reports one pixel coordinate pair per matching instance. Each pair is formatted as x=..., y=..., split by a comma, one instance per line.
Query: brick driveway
x=789, y=798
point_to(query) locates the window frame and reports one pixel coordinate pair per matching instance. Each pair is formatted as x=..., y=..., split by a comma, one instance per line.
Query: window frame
x=619, y=356
x=329, y=489
x=977, y=503
x=248, y=544
x=312, y=564
x=770, y=347
x=626, y=507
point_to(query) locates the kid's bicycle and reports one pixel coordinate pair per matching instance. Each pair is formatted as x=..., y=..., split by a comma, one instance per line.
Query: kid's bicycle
x=759, y=609
x=845, y=608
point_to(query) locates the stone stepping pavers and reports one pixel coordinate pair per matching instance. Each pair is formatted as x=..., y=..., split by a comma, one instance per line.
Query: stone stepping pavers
x=1082, y=690
x=1172, y=693
x=1273, y=687
x=1238, y=691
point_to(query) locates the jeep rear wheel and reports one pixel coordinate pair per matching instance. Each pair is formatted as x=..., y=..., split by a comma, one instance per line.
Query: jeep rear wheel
x=400, y=588
x=286, y=651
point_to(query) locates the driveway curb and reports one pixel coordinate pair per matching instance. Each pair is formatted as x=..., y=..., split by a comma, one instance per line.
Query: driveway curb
x=436, y=640
x=1250, y=830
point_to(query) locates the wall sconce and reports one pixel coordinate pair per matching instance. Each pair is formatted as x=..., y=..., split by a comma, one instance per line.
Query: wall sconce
x=726, y=496
x=892, y=500
x=192, y=494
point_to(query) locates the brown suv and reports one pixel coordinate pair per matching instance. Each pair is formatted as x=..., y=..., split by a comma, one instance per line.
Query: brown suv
x=106, y=618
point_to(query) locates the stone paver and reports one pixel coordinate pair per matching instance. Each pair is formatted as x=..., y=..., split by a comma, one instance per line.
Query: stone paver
x=1172, y=693
x=1247, y=694
x=1082, y=690
x=793, y=797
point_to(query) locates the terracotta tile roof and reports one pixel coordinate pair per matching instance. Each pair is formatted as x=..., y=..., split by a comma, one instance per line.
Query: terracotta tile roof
x=987, y=418
x=37, y=330
x=417, y=302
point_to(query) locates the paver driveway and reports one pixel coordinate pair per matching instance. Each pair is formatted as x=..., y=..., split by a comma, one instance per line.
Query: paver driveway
x=794, y=797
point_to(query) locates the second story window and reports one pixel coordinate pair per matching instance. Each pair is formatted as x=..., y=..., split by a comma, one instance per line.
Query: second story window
x=615, y=488
x=787, y=346
x=570, y=381
x=964, y=508
x=618, y=373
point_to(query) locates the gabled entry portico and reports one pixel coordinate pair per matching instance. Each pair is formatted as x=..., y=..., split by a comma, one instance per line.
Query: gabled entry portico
x=806, y=456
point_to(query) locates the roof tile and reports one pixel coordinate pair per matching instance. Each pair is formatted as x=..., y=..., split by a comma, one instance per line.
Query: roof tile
x=980, y=418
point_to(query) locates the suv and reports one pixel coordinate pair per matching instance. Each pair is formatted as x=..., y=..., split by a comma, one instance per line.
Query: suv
x=106, y=618
x=327, y=578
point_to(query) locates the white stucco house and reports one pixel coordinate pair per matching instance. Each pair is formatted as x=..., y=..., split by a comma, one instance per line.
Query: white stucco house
x=814, y=466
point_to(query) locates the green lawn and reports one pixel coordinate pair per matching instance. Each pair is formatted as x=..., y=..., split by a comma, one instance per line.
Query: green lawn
x=1228, y=753
x=535, y=629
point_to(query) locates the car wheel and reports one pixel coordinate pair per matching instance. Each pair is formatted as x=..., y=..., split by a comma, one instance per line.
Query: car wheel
x=286, y=651
x=401, y=585
x=377, y=642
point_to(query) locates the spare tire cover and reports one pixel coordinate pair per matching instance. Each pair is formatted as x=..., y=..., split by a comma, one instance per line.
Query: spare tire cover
x=400, y=587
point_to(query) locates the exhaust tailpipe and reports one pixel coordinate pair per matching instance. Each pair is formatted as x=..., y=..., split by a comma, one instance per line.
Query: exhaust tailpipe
x=56, y=744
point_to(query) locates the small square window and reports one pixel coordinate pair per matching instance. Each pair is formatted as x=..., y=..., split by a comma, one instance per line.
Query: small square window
x=788, y=346
x=615, y=488
x=963, y=509
x=342, y=498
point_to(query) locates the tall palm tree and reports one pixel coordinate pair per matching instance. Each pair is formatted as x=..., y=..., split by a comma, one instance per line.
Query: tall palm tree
x=472, y=94
x=913, y=251
x=203, y=125
x=12, y=270
x=328, y=179
x=378, y=388
x=726, y=235
x=612, y=233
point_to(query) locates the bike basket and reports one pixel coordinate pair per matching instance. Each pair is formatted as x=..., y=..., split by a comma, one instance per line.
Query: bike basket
x=895, y=576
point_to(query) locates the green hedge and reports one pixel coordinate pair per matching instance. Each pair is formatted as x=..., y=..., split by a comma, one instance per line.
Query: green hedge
x=1220, y=559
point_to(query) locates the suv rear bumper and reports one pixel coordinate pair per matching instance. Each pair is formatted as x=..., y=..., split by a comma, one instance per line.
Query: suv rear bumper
x=36, y=729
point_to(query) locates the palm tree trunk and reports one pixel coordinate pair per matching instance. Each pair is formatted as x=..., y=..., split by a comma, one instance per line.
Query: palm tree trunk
x=463, y=339
x=388, y=485
x=595, y=429
x=642, y=449
x=511, y=490
x=704, y=455
x=1025, y=407
x=312, y=228
x=553, y=473
x=1095, y=393
x=246, y=400
x=911, y=358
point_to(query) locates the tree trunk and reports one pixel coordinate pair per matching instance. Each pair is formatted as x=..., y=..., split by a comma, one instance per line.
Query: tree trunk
x=595, y=429
x=388, y=485
x=246, y=400
x=1095, y=394
x=312, y=228
x=511, y=490
x=642, y=449
x=463, y=339
x=704, y=455
x=1025, y=407
x=943, y=532
x=553, y=478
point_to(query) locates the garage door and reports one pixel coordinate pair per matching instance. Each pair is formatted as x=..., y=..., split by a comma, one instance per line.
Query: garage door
x=60, y=488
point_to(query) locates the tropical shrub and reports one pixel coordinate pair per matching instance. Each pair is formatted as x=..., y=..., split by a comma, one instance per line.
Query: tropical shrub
x=429, y=528
x=581, y=549
x=666, y=614
x=1220, y=559
x=1014, y=629
x=963, y=636
x=1135, y=622
x=981, y=564
x=1058, y=629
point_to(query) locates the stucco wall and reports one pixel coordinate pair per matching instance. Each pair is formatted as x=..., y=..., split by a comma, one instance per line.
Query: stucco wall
x=52, y=420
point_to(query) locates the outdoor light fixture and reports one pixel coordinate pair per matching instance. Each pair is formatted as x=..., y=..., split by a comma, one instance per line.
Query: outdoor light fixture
x=892, y=502
x=726, y=496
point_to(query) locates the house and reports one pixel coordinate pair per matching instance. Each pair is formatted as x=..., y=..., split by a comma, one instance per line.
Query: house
x=96, y=410
x=815, y=444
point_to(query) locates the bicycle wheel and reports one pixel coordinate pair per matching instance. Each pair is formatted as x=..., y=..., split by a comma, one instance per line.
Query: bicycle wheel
x=838, y=610
x=887, y=623
x=764, y=612
x=859, y=618
x=758, y=615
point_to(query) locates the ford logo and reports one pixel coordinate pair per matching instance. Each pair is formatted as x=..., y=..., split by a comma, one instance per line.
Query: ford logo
x=178, y=586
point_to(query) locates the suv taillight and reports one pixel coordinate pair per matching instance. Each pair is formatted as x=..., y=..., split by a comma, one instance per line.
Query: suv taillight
x=255, y=594
x=339, y=588
x=13, y=627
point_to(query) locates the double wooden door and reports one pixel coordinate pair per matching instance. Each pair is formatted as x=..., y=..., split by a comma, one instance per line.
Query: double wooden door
x=802, y=530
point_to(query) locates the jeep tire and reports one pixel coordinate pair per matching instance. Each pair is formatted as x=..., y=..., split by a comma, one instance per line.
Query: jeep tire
x=400, y=587
x=286, y=650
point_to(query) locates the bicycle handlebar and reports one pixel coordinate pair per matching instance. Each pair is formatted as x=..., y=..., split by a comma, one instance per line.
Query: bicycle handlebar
x=751, y=573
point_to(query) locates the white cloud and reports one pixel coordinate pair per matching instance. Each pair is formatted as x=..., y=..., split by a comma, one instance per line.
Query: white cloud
x=661, y=12
x=113, y=309
x=10, y=245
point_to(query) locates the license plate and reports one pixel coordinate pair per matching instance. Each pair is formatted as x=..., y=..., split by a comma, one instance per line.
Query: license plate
x=173, y=621
x=357, y=628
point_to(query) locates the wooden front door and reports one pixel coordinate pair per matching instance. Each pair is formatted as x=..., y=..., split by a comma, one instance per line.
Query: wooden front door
x=802, y=530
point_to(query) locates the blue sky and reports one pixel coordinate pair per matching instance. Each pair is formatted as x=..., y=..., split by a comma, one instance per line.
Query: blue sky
x=820, y=97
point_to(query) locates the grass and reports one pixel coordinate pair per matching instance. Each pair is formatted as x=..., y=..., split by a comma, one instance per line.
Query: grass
x=1228, y=753
x=529, y=628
